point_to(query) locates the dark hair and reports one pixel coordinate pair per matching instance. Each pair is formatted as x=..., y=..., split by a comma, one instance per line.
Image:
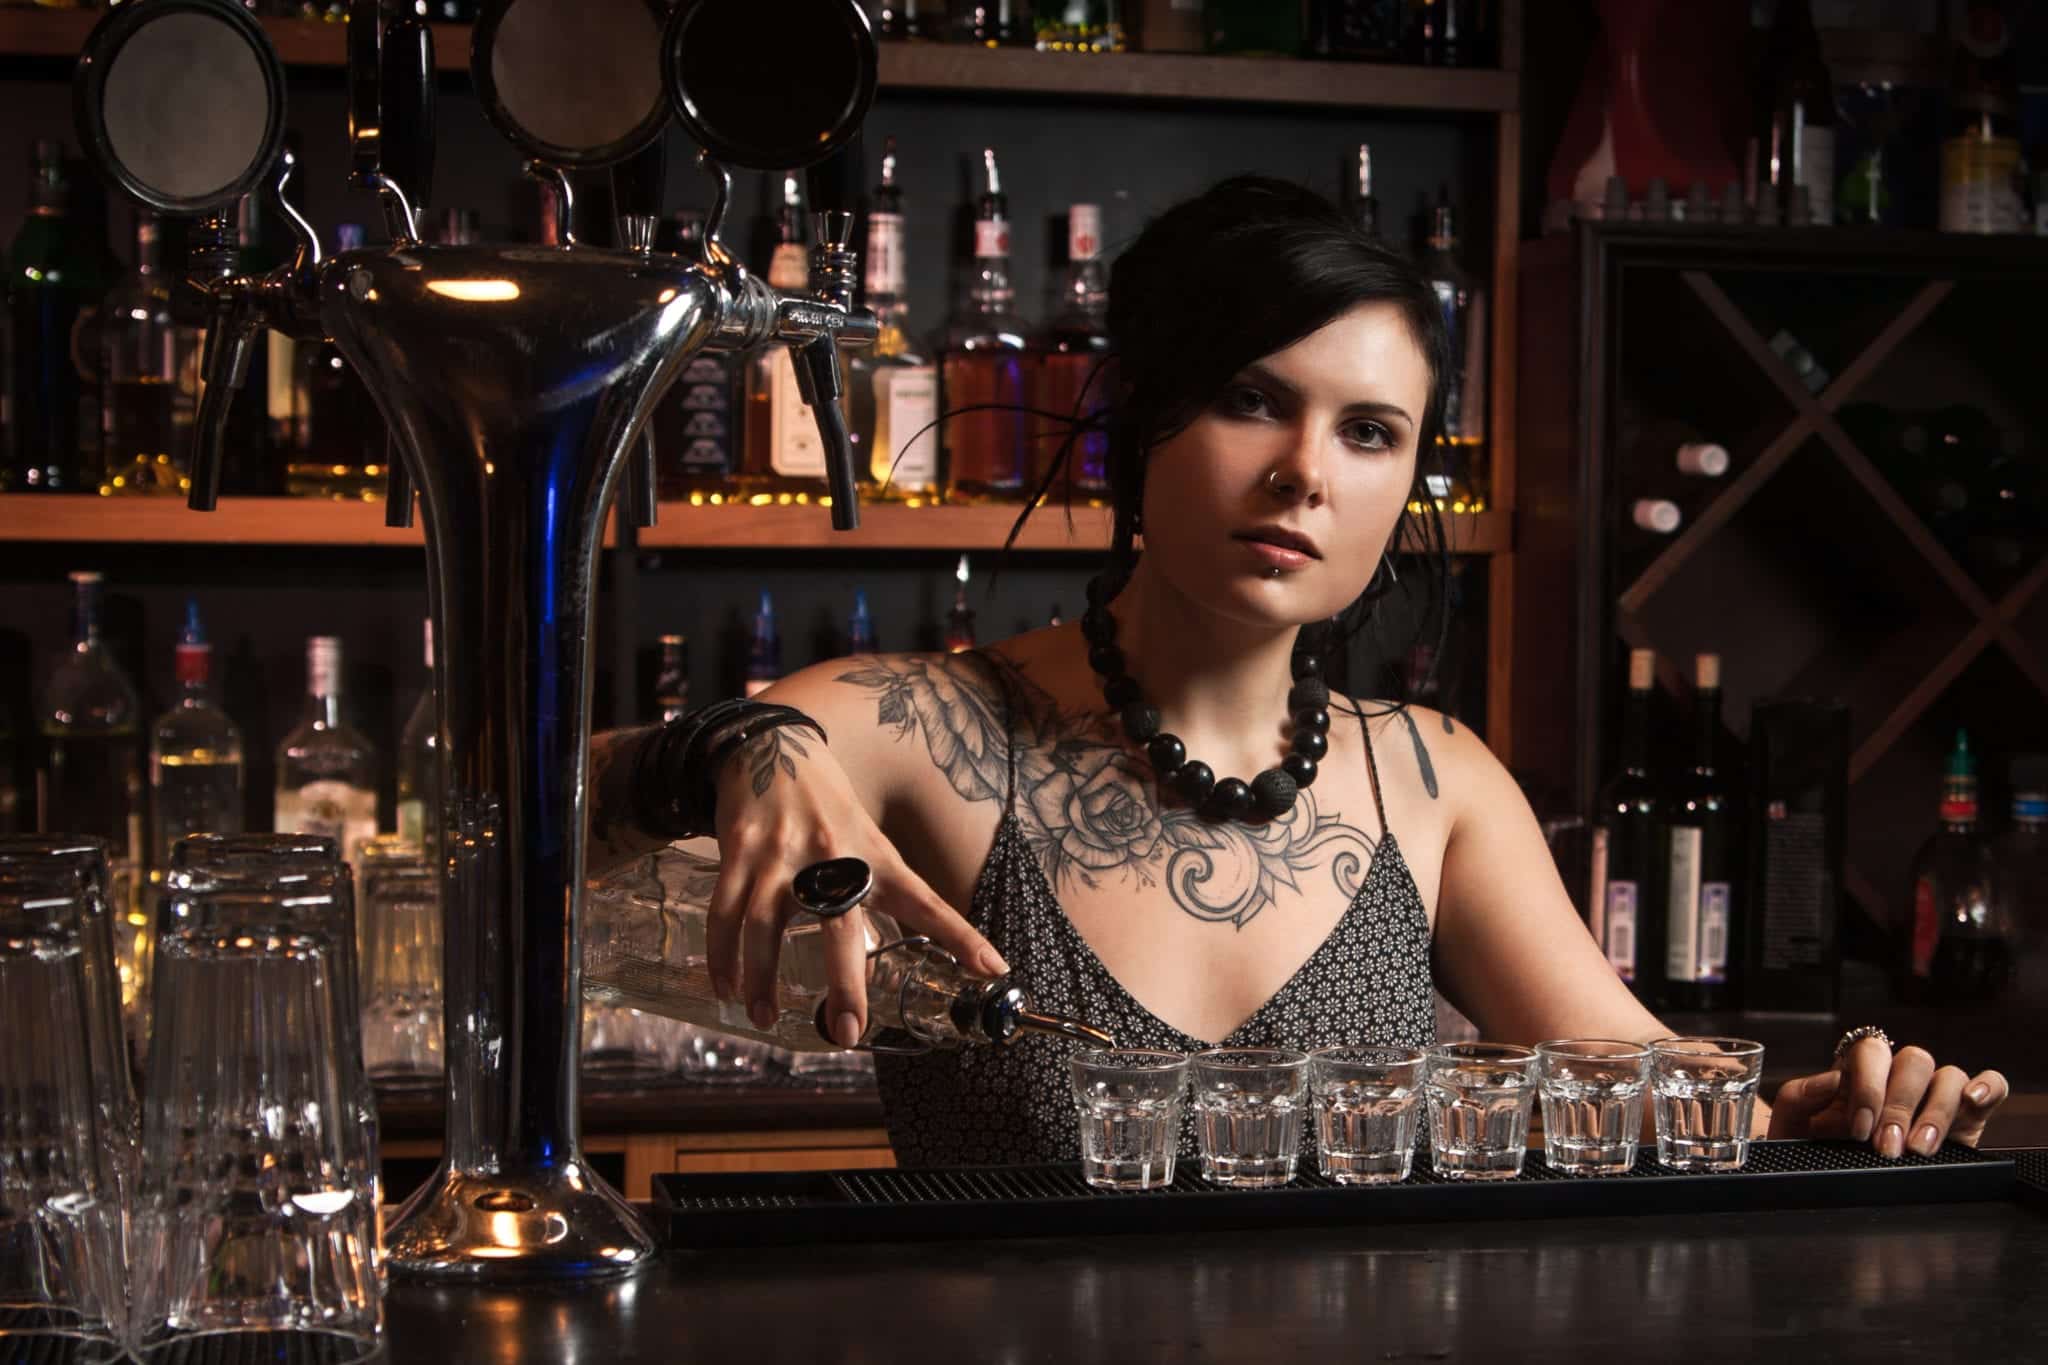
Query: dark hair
x=1247, y=268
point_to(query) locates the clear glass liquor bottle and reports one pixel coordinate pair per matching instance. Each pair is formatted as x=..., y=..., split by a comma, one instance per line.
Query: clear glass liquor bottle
x=1702, y=843
x=419, y=763
x=91, y=723
x=1459, y=485
x=892, y=391
x=1626, y=889
x=53, y=277
x=326, y=768
x=145, y=355
x=985, y=366
x=1957, y=949
x=195, y=754
x=784, y=459
x=338, y=446
x=672, y=683
x=1074, y=379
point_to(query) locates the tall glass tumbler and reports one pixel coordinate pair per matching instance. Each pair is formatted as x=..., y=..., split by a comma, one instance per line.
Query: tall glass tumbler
x=400, y=927
x=1705, y=1092
x=61, y=1273
x=1593, y=1092
x=255, y=1218
x=1480, y=1095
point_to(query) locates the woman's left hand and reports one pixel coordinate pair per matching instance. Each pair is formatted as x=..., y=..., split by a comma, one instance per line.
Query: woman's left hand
x=1897, y=1102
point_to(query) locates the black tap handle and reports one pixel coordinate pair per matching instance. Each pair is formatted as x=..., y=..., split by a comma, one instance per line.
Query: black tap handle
x=834, y=183
x=407, y=106
x=817, y=379
x=229, y=345
x=397, y=486
x=638, y=182
x=641, y=503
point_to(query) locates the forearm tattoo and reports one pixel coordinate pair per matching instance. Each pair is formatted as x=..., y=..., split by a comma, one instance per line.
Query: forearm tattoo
x=1089, y=806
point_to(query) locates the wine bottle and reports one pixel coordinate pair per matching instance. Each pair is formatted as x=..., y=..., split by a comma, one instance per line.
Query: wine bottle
x=1956, y=950
x=1701, y=847
x=1624, y=880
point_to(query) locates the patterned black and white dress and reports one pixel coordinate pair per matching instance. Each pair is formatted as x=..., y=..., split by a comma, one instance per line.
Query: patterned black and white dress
x=1368, y=982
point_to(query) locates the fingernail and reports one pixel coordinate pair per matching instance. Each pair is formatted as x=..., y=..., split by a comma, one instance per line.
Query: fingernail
x=763, y=1014
x=1925, y=1140
x=1892, y=1141
x=1979, y=1093
x=1860, y=1126
x=847, y=1028
x=992, y=964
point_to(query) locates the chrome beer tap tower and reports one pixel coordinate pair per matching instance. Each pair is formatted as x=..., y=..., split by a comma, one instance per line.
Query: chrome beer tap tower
x=516, y=382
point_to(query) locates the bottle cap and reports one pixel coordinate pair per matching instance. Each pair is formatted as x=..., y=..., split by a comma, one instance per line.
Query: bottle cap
x=1642, y=669
x=1657, y=515
x=1708, y=459
x=1707, y=670
x=1084, y=232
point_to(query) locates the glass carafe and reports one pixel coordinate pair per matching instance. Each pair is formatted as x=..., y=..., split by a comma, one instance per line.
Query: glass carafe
x=644, y=947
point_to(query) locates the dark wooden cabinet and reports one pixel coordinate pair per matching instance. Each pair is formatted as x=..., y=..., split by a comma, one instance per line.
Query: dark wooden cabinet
x=1878, y=536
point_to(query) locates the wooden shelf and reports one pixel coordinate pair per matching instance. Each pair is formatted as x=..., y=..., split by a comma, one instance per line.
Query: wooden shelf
x=311, y=521
x=1154, y=77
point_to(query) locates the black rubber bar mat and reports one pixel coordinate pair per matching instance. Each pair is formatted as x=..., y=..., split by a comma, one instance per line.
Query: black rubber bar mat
x=722, y=1210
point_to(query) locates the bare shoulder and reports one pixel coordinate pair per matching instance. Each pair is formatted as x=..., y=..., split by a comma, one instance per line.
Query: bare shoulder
x=1430, y=762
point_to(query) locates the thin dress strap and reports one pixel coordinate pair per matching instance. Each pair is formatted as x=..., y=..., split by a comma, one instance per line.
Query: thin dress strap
x=1373, y=768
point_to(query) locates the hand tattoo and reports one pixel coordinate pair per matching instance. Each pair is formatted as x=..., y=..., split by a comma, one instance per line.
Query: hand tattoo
x=765, y=754
x=1087, y=804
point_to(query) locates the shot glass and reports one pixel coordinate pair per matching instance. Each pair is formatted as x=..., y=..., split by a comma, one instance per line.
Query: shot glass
x=61, y=1228
x=1248, y=1114
x=1592, y=1091
x=400, y=930
x=1480, y=1095
x=256, y=1216
x=1705, y=1093
x=1128, y=1104
x=1368, y=1104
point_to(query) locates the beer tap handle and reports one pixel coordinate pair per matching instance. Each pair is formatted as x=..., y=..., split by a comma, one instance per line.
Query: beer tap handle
x=554, y=182
x=406, y=101
x=637, y=185
x=834, y=186
x=224, y=364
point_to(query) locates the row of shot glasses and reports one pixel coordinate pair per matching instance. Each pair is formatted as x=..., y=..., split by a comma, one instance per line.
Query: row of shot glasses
x=1367, y=1104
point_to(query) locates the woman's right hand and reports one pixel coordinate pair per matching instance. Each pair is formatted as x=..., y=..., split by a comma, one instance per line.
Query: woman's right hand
x=784, y=802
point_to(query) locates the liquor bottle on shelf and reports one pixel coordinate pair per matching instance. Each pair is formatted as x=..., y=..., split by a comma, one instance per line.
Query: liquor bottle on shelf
x=1359, y=200
x=1626, y=886
x=784, y=460
x=985, y=367
x=195, y=754
x=1358, y=30
x=1702, y=841
x=764, y=653
x=1981, y=159
x=1460, y=486
x=672, y=682
x=338, y=440
x=419, y=763
x=1792, y=138
x=908, y=20
x=1957, y=951
x=1079, y=25
x=860, y=626
x=1451, y=33
x=1167, y=25
x=144, y=355
x=2020, y=878
x=892, y=391
x=989, y=23
x=91, y=722
x=53, y=279
x=960, y=619
x=326, y=768
x=1075, y=378
x=697, y=425
x=1799, y=784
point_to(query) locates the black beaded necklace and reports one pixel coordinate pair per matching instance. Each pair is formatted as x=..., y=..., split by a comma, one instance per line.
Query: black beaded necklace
x=1266, y=797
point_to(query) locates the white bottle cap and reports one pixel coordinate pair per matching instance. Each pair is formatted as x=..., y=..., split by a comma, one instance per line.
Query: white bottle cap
x=1656, y=515
x=1707, y=670
x=1084, y=232
x=1642, y=669
x=1705, y=459
x=323, y=665
x=427, y=634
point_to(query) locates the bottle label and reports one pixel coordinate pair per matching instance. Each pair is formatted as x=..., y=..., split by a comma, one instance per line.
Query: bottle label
x=1596, y=890
x=343, y=813
x=885, y=254
x=795, y=450
x=790, y=266
x=1084, y=232
x=1815, y=169
x=412, y=821
x=1926, y=926
x=1980, y=185
x=1713, y=954
x=906, y=405
x=1682, y=943
x=1620, y=943
x=991, y=238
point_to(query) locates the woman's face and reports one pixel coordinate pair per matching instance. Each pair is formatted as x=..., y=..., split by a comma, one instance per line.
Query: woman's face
x=1274, y=505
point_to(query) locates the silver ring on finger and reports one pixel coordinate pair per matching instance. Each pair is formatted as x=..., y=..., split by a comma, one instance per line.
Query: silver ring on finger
x=1857, y=1035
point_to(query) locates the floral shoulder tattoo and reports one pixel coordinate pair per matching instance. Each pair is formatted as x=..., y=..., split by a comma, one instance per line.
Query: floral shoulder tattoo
x=1090, y=807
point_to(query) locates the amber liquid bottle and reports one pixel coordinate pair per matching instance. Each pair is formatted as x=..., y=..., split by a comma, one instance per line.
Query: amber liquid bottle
x=783, y=459
x=1074, y=380
x=986, y=368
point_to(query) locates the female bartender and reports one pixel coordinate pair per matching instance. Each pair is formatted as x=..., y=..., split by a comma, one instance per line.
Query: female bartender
x=1159, y=816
